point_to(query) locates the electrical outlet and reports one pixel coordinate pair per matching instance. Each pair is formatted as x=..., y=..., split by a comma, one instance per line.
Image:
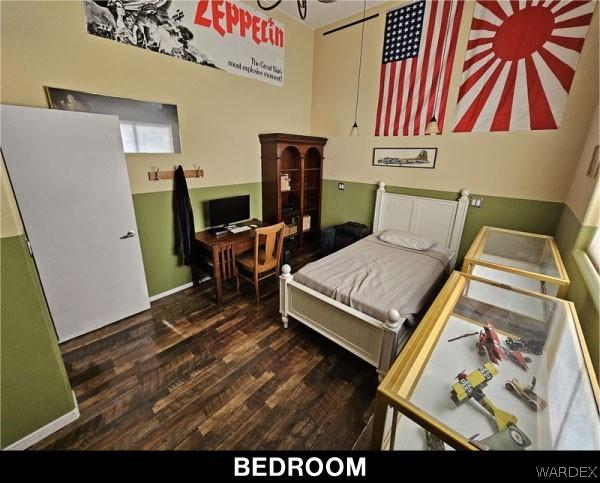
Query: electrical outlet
x=476, y=202
x=341, y=186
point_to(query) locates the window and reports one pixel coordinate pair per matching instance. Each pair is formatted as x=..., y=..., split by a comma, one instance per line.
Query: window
x=146, y=127
x=145, y=137
x=593, y=250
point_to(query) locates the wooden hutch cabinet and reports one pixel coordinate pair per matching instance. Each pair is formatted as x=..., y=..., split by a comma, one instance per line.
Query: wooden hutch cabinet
x=292, y=174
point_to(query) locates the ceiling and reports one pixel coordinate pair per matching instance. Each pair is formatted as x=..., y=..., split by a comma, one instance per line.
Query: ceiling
x=319, y=14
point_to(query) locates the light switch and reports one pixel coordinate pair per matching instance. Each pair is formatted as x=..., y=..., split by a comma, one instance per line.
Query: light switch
x=341, y=186
x=476, y=202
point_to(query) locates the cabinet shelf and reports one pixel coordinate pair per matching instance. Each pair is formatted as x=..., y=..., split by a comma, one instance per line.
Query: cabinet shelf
x=300, y=157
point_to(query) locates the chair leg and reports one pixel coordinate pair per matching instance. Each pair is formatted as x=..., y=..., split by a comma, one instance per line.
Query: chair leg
x=237, y=282
x=195, y=274
x=256, y=288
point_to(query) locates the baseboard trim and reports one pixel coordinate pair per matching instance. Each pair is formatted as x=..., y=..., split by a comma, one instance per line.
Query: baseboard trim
x=47, y=430
x=175, y=290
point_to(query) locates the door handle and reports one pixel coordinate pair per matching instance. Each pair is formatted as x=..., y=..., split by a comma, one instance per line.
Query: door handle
x=129, y=234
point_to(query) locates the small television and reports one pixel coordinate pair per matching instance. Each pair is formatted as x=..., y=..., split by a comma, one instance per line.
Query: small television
x=226, y=211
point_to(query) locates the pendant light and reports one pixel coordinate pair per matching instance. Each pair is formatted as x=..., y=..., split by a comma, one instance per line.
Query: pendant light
x=432, y=126
x=354, y=131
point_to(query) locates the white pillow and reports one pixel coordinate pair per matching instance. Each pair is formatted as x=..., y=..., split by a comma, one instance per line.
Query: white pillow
x=407, y=240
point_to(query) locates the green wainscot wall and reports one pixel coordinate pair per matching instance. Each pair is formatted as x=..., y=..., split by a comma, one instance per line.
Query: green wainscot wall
x=154, y=215
x=572, y=236
x=357, y=203
x=34, y=386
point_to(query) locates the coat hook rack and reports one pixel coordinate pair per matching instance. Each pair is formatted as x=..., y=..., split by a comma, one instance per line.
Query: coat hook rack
x=157, y=175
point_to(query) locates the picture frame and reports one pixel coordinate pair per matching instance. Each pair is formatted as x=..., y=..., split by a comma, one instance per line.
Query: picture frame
x=146, y=127
x=594, y=165
x=405, y=157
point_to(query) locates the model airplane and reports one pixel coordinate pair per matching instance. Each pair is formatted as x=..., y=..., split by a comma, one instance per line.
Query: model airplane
x=433, y=443
x=518, y=358
x=471, y=386
x=511, y=439
x=489, y=344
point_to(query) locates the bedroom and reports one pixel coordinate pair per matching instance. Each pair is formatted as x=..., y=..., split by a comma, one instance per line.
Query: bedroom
x=137, y=381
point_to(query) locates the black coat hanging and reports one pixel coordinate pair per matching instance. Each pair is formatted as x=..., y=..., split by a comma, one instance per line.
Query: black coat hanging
x=185, y=233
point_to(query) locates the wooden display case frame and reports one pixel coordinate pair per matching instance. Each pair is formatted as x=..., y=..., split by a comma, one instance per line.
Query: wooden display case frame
x=399, y=383
x=474, y=253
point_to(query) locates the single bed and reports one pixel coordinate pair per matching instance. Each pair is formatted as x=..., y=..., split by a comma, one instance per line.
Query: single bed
x=368, y=296
x=370, y=276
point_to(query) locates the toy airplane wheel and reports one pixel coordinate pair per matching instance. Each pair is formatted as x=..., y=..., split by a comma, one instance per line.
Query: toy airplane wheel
x=518, y=437
x=509, y=386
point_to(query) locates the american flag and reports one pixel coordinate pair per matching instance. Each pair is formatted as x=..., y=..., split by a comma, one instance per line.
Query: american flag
x=418, y=53
x=520, y=62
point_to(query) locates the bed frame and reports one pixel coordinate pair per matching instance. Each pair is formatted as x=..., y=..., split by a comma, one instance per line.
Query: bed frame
x=375, y=341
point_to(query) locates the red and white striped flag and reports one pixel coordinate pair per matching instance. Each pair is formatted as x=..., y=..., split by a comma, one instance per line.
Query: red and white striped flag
x=520, y=62
x=418, y=53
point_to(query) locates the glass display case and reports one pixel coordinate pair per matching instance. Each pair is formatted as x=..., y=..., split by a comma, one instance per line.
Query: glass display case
x=518, y=259
x=491, y=367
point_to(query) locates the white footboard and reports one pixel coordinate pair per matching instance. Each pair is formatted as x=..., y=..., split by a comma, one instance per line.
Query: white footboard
x=376, y=342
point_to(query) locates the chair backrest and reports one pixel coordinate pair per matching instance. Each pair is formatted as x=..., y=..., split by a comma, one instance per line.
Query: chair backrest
x=268, y=241
x=226, y=261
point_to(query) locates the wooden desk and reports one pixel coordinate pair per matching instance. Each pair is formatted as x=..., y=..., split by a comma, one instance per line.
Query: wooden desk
x=242, y=242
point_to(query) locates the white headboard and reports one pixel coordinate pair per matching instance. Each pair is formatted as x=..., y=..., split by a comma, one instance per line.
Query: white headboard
x=441, y=220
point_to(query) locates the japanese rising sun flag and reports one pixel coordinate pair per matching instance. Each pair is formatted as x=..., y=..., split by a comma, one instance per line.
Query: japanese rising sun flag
x=520, y=62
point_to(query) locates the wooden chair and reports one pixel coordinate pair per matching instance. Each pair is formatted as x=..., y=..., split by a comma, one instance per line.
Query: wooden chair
x=265, y=260
x=225, y=257
x=204, y=266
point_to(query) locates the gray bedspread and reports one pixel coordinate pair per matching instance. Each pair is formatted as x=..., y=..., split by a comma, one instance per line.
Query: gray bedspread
x=373, y=276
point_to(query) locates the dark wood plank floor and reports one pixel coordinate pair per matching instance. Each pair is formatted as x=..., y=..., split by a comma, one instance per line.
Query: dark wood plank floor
x=187, y=374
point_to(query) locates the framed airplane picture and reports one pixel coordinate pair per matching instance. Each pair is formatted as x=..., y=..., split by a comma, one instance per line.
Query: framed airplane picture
x=405, y=157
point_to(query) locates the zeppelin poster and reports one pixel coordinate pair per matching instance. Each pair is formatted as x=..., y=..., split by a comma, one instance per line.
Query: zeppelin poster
x=220, y=34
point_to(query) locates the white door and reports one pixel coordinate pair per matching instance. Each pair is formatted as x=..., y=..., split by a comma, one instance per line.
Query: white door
x=70, y=180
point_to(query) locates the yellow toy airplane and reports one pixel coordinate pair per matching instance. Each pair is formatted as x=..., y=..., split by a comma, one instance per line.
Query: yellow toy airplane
x=472, y=385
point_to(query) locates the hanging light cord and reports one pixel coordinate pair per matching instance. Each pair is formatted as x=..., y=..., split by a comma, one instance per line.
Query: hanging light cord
x=268, y=7
x=437, y=92
x=362, y=37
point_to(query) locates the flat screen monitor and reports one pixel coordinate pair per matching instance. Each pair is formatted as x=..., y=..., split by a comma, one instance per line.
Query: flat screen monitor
x=225, y=211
